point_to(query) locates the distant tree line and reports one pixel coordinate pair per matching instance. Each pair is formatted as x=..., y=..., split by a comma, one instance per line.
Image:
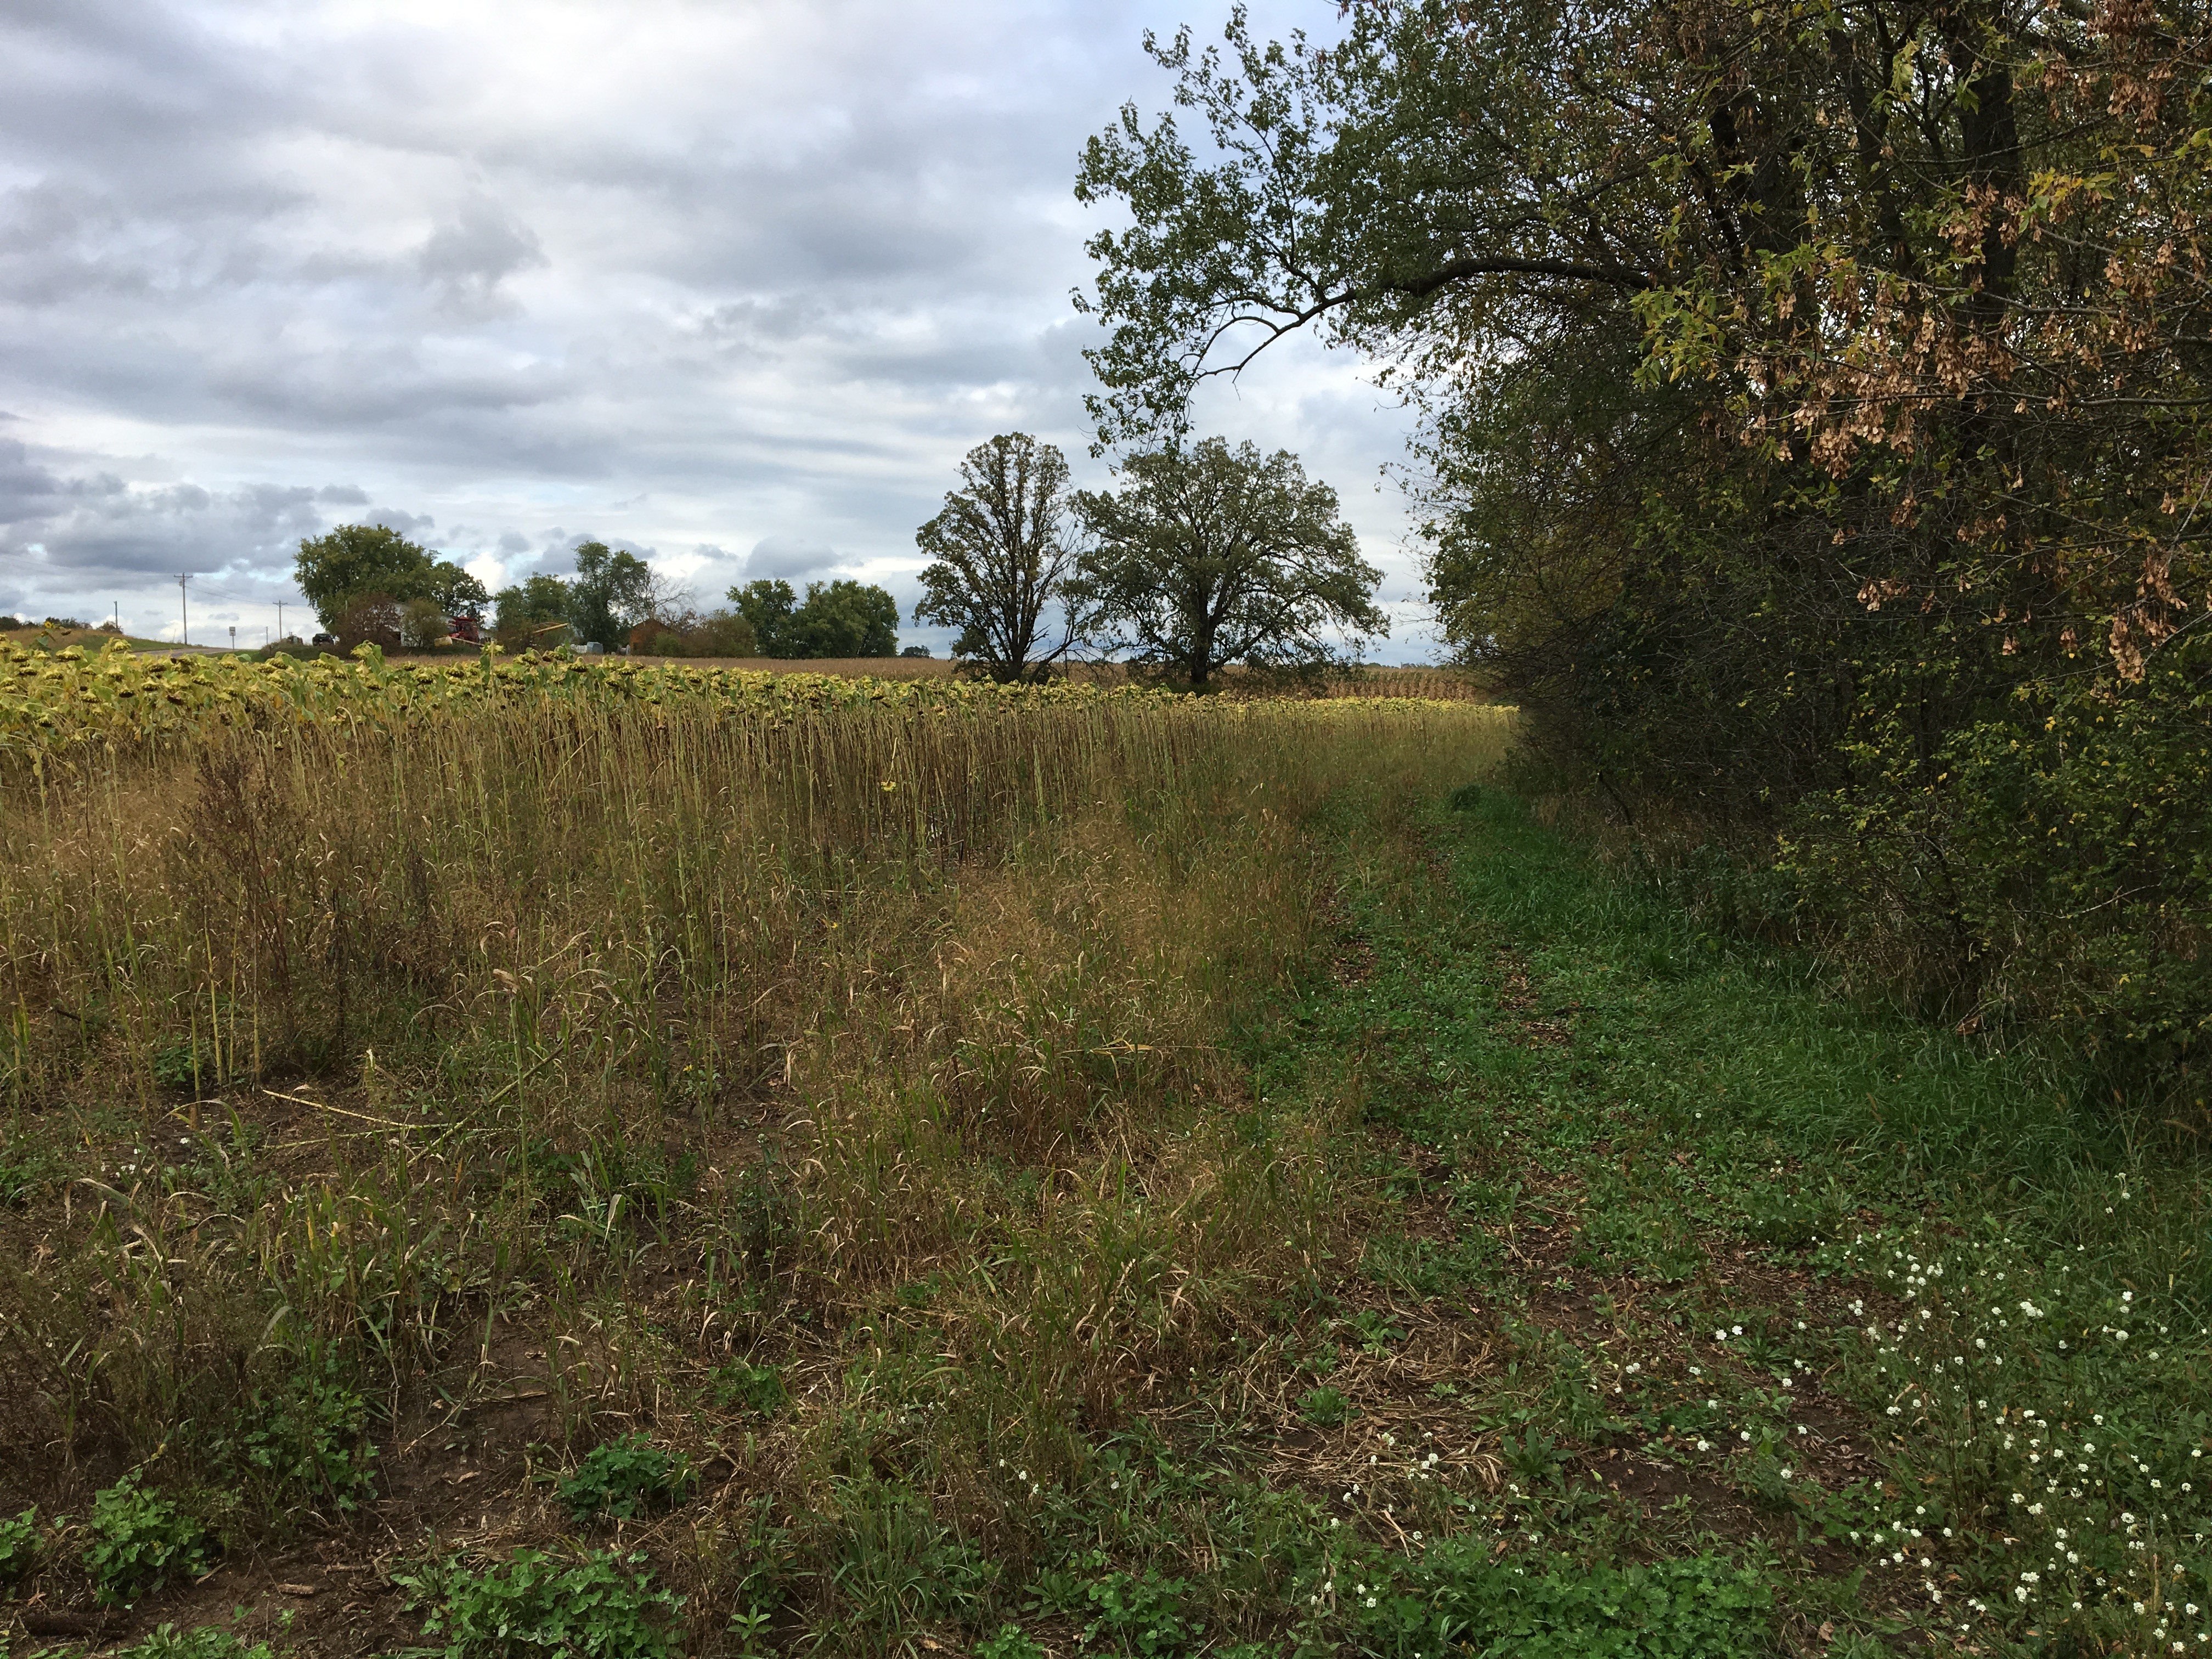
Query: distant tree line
x=370, y=583
x=1204, y=557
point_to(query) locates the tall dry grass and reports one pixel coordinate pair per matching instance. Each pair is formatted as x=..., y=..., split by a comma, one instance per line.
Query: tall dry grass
x=596, y=1050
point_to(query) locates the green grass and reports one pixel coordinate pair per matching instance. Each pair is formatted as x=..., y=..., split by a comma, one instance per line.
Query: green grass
x=1898, y=1328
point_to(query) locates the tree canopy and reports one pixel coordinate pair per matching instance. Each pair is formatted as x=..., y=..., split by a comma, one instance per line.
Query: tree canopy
x=1816, y=411
x=837, y=619
x=611, y=594
x=361, y=561
x=1208, y=556
x=531, y=607
x=1003, y=551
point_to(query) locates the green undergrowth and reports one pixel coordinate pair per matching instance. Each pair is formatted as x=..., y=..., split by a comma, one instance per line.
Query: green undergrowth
x=601, y=1606
x=1907, y=1333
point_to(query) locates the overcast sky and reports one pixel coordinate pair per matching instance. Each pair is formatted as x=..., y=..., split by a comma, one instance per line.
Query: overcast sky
x=734, y=283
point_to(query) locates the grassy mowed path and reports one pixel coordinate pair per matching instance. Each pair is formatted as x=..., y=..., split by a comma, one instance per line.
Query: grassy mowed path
x=1697, y=1311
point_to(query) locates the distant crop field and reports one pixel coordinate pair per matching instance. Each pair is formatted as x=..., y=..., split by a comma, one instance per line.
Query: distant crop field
x=882, y=668
x=1367, y=679
x=52, y=702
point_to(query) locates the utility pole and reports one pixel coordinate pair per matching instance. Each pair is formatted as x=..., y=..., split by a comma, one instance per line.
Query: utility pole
x=184, y=612
x=118, y=616
x=280, y=619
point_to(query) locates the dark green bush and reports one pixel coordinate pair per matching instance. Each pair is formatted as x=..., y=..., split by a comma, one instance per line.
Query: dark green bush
x=19, y=1545
x=626, y=1478
x=533, y=1606
x=141, y=1540
x=757, y=1388
x=307, y=1440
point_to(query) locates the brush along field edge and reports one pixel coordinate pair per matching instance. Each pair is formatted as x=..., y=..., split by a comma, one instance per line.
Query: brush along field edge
x=582, y=1060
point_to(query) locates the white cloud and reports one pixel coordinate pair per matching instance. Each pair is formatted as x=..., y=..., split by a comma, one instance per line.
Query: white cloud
x=681, y=275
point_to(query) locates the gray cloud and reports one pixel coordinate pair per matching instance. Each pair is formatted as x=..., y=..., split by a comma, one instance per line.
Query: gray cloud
x=705, y=278
x=786, y=558
x=468, y=259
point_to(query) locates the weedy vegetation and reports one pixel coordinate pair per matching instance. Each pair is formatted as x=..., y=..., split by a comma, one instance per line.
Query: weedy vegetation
x=725, y=1172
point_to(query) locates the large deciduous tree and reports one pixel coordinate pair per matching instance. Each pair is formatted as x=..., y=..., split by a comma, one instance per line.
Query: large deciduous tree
x=361, y=561
x=845, y=618
x=611, y=594
x=1816, y=400
x=837, y=619
x=1003, y=551
x=455, y=591
x=531, y=610
x=1208, y=556
x=767, y=606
